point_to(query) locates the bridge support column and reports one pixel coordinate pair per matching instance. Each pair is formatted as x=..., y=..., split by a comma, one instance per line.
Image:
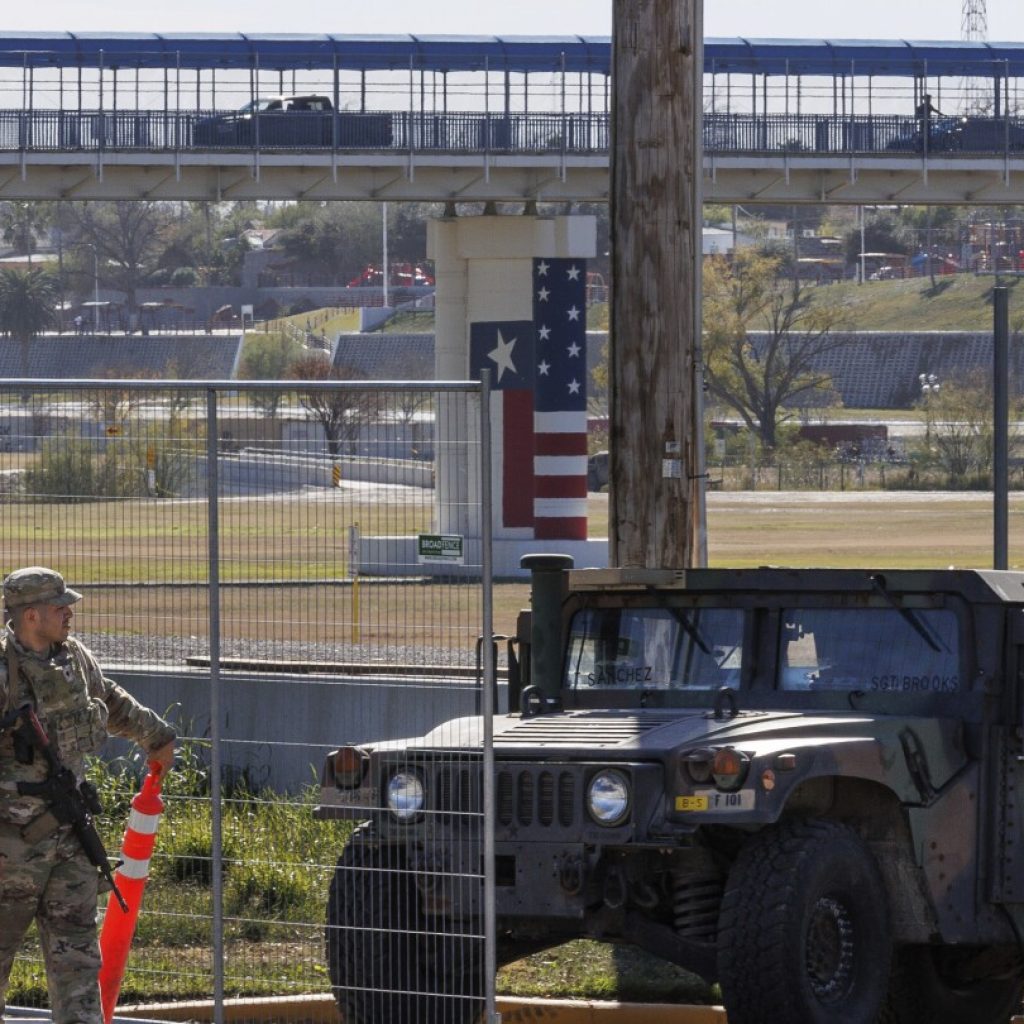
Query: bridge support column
x=511, y=298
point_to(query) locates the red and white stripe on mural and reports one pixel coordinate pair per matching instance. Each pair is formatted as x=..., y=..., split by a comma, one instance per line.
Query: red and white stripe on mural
x=560, y=475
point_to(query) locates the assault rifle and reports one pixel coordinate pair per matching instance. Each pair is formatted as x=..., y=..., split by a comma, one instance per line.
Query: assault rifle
x=69, y=803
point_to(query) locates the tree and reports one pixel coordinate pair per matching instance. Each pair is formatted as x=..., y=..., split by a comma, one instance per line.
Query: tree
x=407, y=406
x=268, y=357
x=26, y=307
x=759, y=381
x=22, y=222
x=883, y=232
x=341, y=412
x=113, y=406
x=128, y=238
x=343, y=237
x=959, y=435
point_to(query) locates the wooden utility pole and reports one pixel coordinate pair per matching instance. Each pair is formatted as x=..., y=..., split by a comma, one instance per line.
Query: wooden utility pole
x=655, y=367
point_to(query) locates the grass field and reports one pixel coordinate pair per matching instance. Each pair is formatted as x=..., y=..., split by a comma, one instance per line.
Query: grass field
x=875, y=528
x=961, y=302
x=291, y=540
x=894, y=529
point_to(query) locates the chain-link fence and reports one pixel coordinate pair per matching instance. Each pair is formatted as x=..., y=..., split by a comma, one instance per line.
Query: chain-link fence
x=281, y=569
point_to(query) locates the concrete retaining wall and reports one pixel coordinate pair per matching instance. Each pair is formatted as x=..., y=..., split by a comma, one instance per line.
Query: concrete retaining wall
x=276, y=728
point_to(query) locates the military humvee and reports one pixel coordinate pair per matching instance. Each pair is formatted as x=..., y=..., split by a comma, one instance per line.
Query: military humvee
x=807, y=785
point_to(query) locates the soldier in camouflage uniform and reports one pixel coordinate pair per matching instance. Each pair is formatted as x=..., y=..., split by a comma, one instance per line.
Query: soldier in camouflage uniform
x=46, y=877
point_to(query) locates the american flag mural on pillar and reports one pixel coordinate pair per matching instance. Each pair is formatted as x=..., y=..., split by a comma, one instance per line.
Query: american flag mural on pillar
x=506, y=348
x=560, y=399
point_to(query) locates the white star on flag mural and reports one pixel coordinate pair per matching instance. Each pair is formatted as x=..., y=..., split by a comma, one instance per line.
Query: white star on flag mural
x=501, y=355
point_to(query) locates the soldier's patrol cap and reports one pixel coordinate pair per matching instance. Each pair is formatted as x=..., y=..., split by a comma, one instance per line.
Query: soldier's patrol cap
x=37, y=585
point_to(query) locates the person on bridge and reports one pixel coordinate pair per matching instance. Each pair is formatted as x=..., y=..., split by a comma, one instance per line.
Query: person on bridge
x=45, y=874
x=924, y=114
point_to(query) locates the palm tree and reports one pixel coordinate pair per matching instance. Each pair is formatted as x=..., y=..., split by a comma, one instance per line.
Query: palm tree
x=27, y=300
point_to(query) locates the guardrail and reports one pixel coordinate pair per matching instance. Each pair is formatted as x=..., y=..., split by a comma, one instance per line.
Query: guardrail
x=521, y=133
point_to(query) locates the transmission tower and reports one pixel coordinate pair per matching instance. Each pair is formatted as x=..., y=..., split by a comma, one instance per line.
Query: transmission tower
x=974, y=22
x=974, y=28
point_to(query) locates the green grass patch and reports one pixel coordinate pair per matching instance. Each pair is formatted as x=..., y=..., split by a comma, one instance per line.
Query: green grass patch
x=962, y=303
x=597, y=970
x=327, y=320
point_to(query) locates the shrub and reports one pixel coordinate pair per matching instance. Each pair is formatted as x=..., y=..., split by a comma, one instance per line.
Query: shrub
x=64, y=468
x=185, y=277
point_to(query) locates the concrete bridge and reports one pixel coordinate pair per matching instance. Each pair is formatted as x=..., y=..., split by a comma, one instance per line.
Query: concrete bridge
x=465, y=119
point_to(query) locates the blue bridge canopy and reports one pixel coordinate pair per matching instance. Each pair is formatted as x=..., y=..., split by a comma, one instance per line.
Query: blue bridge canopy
x=284, y=51
x=577, y=54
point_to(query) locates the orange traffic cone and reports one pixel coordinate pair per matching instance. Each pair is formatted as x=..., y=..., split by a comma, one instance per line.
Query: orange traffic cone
x=131, y=876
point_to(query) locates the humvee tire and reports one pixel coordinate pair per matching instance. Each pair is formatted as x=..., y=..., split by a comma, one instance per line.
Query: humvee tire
x=380, y=968
x=936, y=984
x=804, y=928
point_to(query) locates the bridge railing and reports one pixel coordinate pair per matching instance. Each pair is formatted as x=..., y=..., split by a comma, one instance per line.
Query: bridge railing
x=467, y=132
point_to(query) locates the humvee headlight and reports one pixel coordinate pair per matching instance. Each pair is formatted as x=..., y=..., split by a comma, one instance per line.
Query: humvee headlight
x=729, y=768
x=405, y=795
x=698, y=764
x=608, y=797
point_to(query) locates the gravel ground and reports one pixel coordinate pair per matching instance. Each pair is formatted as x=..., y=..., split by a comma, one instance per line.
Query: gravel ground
x=173, y=650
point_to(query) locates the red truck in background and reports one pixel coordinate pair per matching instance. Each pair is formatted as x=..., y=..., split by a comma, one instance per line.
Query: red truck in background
x=399, y=275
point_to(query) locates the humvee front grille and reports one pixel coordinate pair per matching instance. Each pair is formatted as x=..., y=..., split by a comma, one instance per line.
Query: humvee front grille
x=536, y=796
x=457, y=792
x=533, y=795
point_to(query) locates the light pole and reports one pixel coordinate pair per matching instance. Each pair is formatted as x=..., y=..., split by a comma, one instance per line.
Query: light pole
x=929, y=385
x=384, y=244
x=95, y=287
x=95, y=282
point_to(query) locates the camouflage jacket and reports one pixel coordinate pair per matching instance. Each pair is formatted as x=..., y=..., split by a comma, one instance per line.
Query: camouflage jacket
x=77, y=706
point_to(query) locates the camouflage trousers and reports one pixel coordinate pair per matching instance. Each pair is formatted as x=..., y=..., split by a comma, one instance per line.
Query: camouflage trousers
x=52, y=883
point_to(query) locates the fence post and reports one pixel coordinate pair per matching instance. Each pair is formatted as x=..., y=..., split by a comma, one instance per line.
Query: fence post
x=1000, y=431
x=354, y=570
x=487, y=703
x=213, y=571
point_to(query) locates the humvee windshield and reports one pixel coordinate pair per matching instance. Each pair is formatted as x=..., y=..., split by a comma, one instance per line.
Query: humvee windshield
x=655, y=648
x=869, y=649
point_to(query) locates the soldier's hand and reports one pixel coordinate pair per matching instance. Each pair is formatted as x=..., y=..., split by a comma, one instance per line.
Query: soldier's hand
x=163, y=756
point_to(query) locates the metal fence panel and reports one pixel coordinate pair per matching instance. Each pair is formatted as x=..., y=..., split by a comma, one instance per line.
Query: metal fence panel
x=251, y=566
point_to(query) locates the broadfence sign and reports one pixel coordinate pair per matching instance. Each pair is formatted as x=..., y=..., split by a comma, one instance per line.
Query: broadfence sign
x=440, y=547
